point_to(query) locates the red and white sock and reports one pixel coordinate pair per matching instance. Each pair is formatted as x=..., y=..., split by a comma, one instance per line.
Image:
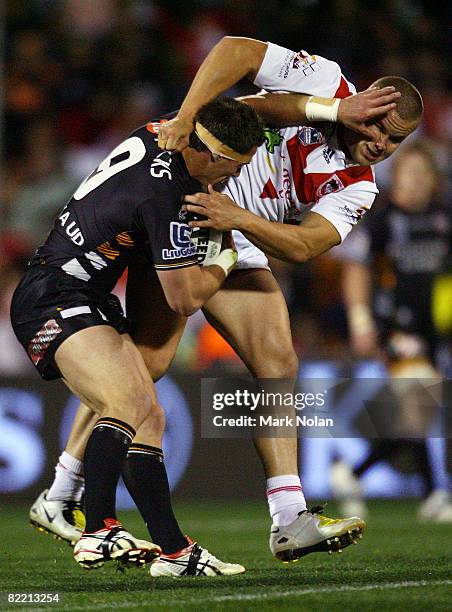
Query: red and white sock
x=69, y=482
x=285, y=498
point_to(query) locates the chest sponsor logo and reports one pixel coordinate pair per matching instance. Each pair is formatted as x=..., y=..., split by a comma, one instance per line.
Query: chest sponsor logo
x=310, y=136
x=269, y=191
x=273, y=139
x=160, y=165
x=285, y=194
x=306, y=63
x=180, y=238
x=329, y=186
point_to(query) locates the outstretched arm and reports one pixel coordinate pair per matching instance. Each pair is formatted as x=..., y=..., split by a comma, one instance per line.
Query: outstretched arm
x=232, y=59
x=354, y=112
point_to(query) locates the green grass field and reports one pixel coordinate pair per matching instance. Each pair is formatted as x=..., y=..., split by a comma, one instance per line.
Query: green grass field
x=399, y=564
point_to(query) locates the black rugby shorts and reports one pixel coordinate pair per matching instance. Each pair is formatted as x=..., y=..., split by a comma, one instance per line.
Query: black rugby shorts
x=49, y=306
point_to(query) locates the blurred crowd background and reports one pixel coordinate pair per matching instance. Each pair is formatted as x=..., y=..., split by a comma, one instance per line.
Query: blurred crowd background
x=79, y=75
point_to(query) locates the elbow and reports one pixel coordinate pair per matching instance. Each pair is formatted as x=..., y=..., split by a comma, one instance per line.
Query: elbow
x=185, y=307
x=248, y=53
x=301, y=254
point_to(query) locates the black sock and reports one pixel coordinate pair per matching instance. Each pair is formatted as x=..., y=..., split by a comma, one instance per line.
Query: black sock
x=145, y=477
x=381, y=450
x=104, y=458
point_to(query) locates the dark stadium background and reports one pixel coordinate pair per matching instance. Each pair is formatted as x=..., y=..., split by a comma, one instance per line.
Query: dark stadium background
x=77, y=77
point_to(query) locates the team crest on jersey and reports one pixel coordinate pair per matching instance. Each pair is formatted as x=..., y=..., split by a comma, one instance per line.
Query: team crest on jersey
x=154, y=126
x=330, y=186
x=310, y=136
x=273, y=139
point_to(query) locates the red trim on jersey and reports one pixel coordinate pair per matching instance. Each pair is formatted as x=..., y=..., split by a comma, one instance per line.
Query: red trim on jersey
x=307, y=185
x=343, y=91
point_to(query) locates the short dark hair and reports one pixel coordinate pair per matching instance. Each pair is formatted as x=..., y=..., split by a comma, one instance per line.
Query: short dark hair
x=410, y=105
x=235, y=123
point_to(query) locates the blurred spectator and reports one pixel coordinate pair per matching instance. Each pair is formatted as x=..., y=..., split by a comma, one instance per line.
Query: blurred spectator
x=392, y=264
x=407, y=244
x=45, y=188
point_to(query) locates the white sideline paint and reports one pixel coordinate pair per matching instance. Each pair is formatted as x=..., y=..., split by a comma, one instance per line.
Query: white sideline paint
x=364, y=587
x=408, y=584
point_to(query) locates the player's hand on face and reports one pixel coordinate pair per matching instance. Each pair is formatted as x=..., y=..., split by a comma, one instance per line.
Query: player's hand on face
x=222, y=213
x=174, y=134
x=356, y=111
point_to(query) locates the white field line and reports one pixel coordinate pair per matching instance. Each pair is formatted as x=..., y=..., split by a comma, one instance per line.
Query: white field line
x=251, y=596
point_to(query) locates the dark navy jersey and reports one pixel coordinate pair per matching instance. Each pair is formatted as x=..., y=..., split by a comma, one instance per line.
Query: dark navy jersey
x=132, y=201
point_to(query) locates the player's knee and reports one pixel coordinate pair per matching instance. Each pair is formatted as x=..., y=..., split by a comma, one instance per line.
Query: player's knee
x=279, y=363
x=146, y=405
x=131, y=403
x=157, y=363
x=152, y=428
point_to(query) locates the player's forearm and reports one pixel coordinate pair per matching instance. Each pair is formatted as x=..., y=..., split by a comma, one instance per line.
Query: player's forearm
x=209, y=280
x=279, y=110
x=356, y=284
x=187, y=289
x=357, y=296
x=296, y=244
x=227, y=63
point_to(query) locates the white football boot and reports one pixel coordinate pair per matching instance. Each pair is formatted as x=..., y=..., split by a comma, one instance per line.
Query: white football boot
x=313, y=532
x=346, y=489
x=193, y=561
x=436, y=508
x=113, y=543
x=65, y=520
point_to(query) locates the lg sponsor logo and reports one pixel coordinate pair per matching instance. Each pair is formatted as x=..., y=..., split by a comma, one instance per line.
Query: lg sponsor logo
x=180, y=237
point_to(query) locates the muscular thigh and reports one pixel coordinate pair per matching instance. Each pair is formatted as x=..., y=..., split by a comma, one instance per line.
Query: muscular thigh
x=104, y=368
x=155, y=328
x=250, y=312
